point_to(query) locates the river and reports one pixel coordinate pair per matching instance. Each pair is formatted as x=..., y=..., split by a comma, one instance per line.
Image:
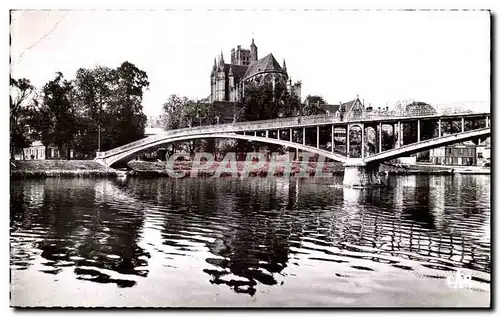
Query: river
x=273, y=242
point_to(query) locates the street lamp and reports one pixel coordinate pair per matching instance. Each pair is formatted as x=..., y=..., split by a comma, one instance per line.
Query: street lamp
x=99, y=131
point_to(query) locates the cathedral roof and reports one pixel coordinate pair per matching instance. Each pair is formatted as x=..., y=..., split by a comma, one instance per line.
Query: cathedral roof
x=264, y=64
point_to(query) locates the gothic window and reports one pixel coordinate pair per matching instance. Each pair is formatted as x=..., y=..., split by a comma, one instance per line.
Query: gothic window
x=268, y=79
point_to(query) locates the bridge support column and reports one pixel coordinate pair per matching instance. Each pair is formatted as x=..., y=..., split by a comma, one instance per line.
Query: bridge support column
x=304, y=136
x=400, y=134
x=362, y=140
x=380, y=137
x=317, y=136
x=333, y=139
x=418, y=130
x=347, y=148
x=463, y=124
x=395, y=134
x=359, y=174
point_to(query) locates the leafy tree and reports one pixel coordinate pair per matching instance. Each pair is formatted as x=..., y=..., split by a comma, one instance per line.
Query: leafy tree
x=55, y=119
x=313, y=105
x=181, y=112
x=266, y=102
x=197, y=114
x=109, y=106
x=125, y=114
x=94, y=89
x=263, y=103
x=21, y=91
x=173, y=110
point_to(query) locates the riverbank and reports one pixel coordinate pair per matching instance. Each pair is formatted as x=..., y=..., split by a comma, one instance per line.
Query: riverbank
x=59, y=168
x=159, y=169
x=431, y=169
x=85, y=168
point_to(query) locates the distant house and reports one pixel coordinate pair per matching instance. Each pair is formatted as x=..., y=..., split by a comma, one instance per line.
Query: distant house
x=347, y=110
x=154, y=121
x=455, y=154
x=38, y=151
x=483, y=152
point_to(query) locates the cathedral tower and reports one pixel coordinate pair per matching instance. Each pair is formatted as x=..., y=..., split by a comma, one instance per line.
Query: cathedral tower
x=253, y=52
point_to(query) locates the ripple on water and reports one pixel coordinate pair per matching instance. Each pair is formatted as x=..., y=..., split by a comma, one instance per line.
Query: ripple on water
x=280, y=237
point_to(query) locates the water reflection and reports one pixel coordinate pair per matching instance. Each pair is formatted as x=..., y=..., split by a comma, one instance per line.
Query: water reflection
x=79, y=225
x=246, y=233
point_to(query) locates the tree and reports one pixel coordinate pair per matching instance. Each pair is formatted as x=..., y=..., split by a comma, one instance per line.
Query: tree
x=263, y=103
x=109, y=106
x=181, y=112
x=125, y=115
x=55, y=118
x=94, y=89
x=21, y=91
x=173, y=110
x=196, y=114
x=313, y=105
x=268, y=102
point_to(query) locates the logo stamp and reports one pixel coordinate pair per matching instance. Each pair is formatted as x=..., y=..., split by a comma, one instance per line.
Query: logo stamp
x=459, y=279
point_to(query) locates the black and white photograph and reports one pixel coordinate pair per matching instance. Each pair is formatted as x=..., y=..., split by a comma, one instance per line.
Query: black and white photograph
x=234, y=158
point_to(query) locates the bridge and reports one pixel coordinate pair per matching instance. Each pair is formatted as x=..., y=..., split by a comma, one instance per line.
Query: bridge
x=357, y=142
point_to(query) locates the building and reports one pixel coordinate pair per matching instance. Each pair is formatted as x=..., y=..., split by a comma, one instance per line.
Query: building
x=38, y=151
x=346, y=110
x=455, y=154
x=483, y=152
x=154, y=121
x=228, y=81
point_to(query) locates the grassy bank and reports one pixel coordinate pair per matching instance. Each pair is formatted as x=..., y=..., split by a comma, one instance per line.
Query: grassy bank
x=154, y=169
x=58, y=168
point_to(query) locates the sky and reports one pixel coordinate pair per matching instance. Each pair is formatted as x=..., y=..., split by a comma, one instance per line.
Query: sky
x=441, y=57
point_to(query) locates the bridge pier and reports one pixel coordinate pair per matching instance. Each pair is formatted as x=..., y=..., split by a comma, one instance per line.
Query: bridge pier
x=359, y=174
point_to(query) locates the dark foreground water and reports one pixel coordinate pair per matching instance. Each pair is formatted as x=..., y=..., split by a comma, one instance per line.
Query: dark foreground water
x=253, y=242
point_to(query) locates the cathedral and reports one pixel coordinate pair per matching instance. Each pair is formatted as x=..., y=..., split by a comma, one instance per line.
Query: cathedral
x=228, y=81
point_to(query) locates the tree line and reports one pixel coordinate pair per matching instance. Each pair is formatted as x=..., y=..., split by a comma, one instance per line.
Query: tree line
x=101, y=108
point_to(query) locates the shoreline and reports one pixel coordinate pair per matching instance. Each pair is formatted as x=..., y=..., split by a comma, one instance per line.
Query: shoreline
x=59, y=169
x=91, y=169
